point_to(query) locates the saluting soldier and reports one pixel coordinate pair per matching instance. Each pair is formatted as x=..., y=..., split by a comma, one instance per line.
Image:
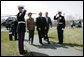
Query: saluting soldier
x=60, y=26
x=21, y=28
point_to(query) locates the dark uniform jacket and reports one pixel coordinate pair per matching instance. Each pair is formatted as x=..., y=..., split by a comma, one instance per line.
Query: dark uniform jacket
x=41, y=23
x=61, y=22
x=21, y=26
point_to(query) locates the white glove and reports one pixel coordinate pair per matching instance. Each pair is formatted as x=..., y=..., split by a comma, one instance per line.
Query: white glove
x=62, y=28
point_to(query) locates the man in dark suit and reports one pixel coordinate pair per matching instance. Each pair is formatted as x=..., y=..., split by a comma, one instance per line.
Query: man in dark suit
x=48, y=22
x=21, y=28
x=41, y=26
x=60, y=26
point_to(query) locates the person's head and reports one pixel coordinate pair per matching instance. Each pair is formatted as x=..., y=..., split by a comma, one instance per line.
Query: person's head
x=59, y=13
x=20, y=8
x=46, y=14
x=29, y=14
x=40, y=14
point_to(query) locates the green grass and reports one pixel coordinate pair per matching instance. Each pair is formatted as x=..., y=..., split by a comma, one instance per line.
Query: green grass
x=8, y=48
x=35, y=32
x=72, y=37
x=2, y=27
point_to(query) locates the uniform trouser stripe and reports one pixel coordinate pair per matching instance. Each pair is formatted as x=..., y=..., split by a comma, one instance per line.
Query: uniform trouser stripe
x=21, y=42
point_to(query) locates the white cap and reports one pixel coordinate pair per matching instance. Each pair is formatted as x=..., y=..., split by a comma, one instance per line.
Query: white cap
x=21, y=6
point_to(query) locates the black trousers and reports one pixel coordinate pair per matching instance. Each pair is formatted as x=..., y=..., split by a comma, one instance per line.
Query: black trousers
x=41, y=35
x=21, y=41
x=15, y=35
x=21, y=35
x=46, y=35
x=60, y=35
x=31, y=35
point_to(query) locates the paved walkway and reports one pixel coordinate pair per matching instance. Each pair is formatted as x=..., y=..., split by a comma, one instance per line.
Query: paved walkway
x=52, y=49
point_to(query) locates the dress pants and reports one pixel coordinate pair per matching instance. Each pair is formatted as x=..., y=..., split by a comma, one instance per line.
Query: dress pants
x=31, y=35
x=41, y=35
x=60, y=35
x=21, y=41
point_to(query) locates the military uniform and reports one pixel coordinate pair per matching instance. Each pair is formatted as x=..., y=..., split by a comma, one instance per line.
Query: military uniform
x=21, y=30
x=60, y=26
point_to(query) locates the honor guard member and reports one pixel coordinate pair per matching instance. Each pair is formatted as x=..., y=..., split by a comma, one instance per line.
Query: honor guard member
x=21, y=28
x=60, y=26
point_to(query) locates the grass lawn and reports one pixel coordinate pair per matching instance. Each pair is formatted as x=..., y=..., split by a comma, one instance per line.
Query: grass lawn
x=8, y=48
x=2, y=27
x=72, y=37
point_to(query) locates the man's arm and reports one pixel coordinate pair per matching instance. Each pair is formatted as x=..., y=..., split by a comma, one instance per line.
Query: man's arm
x=36, y=21
x=26, y=25
x=44, y=23
x=23, y=14
x=55, y=17
x=38, y=24
x=50, y=22
x=64, y=22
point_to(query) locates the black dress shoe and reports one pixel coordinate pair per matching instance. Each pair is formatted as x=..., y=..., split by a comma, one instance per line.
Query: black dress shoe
x=45, y=39
x=16, y=39
x=31, y=43
x=24, y=52
x=59, y=43
x=48, y=42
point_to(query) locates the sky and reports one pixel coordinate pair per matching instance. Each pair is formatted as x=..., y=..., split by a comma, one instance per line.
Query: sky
x=68, y=8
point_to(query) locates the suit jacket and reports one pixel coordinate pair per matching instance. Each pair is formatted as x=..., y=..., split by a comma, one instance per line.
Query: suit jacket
x=41, y=23
x=61, y=22
x=49, y=22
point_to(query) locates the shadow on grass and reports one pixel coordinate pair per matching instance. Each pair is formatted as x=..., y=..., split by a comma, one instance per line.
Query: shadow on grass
x=52, y=37
x=28, y=54
x=34, y=54
x=26, y=40
x=72, y=45
x=52, y=45
x=38, y=54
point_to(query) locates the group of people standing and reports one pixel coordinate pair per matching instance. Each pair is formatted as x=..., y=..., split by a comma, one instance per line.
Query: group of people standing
x=42, y=24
